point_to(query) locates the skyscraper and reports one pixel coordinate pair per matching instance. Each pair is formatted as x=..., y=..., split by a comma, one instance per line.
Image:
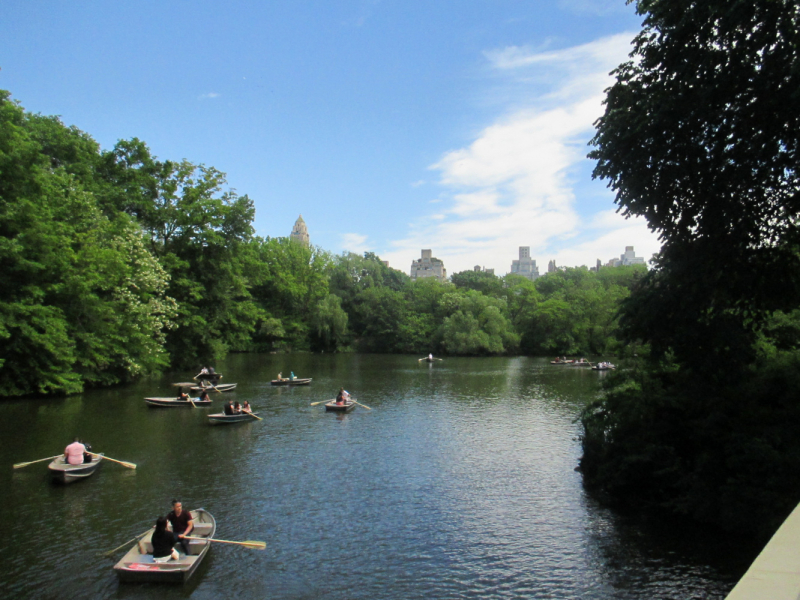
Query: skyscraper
x=300, y=232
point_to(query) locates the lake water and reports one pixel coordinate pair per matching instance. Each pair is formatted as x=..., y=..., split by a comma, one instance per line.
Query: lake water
x=459, y=483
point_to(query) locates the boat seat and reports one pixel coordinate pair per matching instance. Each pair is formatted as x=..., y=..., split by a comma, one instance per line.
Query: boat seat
x=201, y=529
x=196, y=546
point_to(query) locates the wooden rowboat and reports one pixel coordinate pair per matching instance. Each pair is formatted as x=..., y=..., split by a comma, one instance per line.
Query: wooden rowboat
x=222, y=387
x=581, y=363
x=296, y=381
x=561, y=362
x=333, y=407
x=173, y=402
x=607, y=367
x=223, y=419
x=193, y=386
x=208, y=376
x=138, y=566
x=63, y=472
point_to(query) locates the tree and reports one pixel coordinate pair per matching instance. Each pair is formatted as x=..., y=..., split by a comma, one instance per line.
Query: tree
x=82, y=301
x=481, y=281
x=701, y=136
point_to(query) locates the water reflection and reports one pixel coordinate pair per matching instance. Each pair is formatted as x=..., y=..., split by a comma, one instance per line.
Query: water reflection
x=458, y=483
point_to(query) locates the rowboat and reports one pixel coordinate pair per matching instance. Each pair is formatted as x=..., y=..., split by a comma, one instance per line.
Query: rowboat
x=604, y=367
x=561, y=362
x=333, y=407
x=173, y=402
x=581, y=363
x=223, y=419
x=193, y=386
x=63, y=472
x=222, y=387
x=208, y=376
x=296, y=381
x=138, y=566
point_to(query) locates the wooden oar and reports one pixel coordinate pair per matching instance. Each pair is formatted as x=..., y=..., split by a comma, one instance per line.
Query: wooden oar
x=322, y=402
x=25, y=464
x=121, y=546
x=359, y=403
x=248, y=544
x=252, y=415
x=123, y=463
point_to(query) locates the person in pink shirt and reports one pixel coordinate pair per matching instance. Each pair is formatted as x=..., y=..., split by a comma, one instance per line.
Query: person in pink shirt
x=73, y=453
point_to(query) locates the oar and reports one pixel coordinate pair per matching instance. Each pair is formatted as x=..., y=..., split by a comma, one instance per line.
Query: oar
x=322, y=402
x=25, y=464
x=121, y=546
x=359, y=403
x=123, y=463
x=248, y=544
x=252, y=415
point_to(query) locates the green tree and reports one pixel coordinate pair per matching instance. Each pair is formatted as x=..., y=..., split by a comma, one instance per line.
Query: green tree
x=480, y=281
x=701, y=136
x=82, y=301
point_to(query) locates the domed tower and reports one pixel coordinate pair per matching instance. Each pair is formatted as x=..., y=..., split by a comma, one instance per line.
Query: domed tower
x=300, y=232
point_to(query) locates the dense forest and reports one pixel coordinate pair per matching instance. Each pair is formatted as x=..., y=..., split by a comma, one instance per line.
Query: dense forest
x=701, y=136
x=117, y=264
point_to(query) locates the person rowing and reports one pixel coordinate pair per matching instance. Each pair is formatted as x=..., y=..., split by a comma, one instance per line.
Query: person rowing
x=182, y=524
x=75, y=453
x=342, y=397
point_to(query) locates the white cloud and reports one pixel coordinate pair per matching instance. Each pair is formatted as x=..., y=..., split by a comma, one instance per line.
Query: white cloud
x=517, y=183
x=208, y=96
x=355, y=242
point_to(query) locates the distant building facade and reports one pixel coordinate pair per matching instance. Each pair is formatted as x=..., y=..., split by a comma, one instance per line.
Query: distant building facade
x=551, y=266
x=525, y=265
x=300, y=232
x=626, y=259
x=428, y=266
x=480, y=269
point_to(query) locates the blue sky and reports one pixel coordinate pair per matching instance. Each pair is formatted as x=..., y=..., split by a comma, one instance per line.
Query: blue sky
x=460, y=126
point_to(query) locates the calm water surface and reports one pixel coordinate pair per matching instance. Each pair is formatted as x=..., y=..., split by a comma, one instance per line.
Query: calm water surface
x=459, y=483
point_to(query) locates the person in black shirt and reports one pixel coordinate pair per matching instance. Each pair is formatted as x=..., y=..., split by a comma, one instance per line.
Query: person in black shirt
x=163, y=541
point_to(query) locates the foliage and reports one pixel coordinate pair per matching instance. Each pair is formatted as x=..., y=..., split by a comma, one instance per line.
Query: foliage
x=701, y=137
x=81, y=301
x=118, y=263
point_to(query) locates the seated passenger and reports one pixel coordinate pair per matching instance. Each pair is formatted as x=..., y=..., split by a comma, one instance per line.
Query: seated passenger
x=162, y=541
x=237, y=408
x=203, y=396
x=228, y=408
x=246, y=407
x=183, y=395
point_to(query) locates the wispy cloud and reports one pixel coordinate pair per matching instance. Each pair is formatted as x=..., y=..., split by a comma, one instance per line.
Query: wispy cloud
x=208, y=96
x=355, y=242
x=521, y=181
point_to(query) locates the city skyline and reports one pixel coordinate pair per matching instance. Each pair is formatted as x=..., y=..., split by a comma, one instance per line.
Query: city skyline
x=389, y=127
